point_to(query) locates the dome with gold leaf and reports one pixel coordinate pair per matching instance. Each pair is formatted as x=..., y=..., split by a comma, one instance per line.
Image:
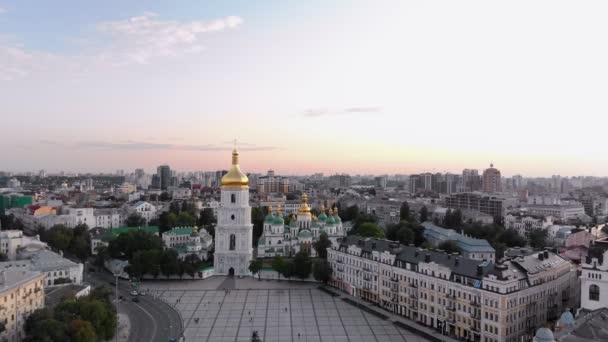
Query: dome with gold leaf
x=235, y=178
x=304, y=208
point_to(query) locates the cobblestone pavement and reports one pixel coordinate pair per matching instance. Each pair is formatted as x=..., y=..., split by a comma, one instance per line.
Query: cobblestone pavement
x=284, y=311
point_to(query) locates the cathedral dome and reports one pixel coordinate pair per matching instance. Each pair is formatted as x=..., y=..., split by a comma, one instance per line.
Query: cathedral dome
x=304, y=208
x=278, y=220
x=235, y=178
x=544, y=335
x=322, y=217
x=304, y=234
x=270, y=217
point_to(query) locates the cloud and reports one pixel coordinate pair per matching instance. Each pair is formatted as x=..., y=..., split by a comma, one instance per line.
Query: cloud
x=142, y=38
x=311, y=113
x=139, y=146
x=2, y=10
x=136, y=40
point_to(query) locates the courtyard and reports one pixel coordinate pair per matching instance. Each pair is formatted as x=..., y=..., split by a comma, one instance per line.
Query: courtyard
x=231, y=309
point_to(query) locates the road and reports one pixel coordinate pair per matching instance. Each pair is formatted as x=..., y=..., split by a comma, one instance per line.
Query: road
x=151, y=319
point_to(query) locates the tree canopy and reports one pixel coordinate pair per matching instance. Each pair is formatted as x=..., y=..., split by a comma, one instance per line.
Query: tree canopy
x=404, y=211
x=135, y=220
x=321, y=245
x=322, y=270
x=369, y=229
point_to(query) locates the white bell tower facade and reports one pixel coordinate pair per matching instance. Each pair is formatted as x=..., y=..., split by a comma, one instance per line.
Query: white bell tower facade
x=233, y=233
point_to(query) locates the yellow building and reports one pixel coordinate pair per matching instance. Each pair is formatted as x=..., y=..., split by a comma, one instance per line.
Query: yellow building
x=21, y=293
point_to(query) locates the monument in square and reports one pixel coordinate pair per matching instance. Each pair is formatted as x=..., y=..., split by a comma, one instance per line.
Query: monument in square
x=233, y=233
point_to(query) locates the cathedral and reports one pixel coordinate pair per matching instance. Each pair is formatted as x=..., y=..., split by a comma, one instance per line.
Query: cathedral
x=283, y=239
x=233, y=233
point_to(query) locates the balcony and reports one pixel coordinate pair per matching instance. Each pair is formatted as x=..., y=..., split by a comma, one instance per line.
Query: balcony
x=413, y=285
x=395, y=289
x=394, y=280
x=339, y=261
x=475, y=303
x=367, y=278
x=451, y=308
x=413, y=296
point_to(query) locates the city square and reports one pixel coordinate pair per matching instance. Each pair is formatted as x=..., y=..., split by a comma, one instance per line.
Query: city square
x=231, y=309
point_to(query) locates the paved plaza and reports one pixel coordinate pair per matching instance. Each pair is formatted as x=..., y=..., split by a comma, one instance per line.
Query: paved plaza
x=281, y=312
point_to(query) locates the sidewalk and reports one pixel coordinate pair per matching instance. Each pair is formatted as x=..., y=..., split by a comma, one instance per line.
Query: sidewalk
x=399, y=321
x=124, y=327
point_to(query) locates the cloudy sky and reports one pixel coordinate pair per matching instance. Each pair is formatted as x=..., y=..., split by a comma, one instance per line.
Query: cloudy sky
x=305, y=86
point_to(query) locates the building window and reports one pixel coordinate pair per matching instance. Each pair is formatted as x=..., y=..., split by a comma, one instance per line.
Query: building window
x=594, y=292
x=232, y=242
x=232, y=198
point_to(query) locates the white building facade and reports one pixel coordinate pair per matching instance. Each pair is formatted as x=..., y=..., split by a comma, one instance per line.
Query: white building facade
x=594, y=283
x=234, y=230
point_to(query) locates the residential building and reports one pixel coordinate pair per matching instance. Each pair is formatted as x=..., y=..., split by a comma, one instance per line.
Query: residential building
x=525, y=224
x=164, y=175
x=566, y=211
x=146, y=210
x=469, y=299
x=380, y=182
x=340, y=181
x=471, y=180
x=107, y=218
x=57, y=269
x=491, y=205
x=11, y=241
x=471, y=248
x=21, y=293
x=491, y=181
x=272, y=183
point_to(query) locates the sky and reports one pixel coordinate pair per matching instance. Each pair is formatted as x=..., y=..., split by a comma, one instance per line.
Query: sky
x=378, y=87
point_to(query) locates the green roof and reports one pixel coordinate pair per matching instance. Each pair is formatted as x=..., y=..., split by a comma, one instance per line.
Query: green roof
x=269, y=218
x=305, y=234
x=278, y=220
x=322, y=217
x=179, y=231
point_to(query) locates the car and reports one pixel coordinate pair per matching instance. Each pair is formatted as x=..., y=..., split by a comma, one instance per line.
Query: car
x=134, y=293
x=173, y=339
x=135, y=299
x=121, y=297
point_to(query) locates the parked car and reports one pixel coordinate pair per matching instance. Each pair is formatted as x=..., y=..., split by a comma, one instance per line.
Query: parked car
x=135, y=299
x=134, y=293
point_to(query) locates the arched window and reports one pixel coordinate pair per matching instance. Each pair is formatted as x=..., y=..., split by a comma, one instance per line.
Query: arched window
x=232, y=242
x=594, y=292
x=232, y=198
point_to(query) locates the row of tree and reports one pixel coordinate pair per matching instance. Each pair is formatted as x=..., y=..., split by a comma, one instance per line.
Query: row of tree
x=87, y=319
x=75, y=242
x=146, y=255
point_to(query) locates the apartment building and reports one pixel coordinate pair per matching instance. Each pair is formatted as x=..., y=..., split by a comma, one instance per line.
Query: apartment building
x=468, y=299
x=487, y=204
x=594, y=282
x=21, y=293
x=525, y=224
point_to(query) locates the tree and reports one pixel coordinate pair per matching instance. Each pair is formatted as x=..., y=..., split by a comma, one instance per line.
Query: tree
x=424, y=214
x=369, y=229
x=321, y=245
x=184, y=219
x=3, y=257
x=48, y=330
x=257, y=218
x=538, y=238
x=302, y=265
x=206, y=217
x=449, y=246
x=59, y=237
x=279, y=265
x=350, y=214
x=82, y=331
x=255, y=266
x=322, y=271
x=168, y=263
x=135, y=220
x=511, y=238
x=126, y=244
x=404, y=211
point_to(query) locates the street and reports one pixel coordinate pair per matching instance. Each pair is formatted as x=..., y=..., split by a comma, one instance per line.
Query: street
x=151, y=319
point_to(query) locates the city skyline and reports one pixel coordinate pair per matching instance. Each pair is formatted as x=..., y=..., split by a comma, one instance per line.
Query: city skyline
x=393, y=87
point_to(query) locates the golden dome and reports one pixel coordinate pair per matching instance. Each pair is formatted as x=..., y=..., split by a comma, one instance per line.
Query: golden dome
x=235, y=179
x=279, y=210
x=322, y=209
x=304, y=208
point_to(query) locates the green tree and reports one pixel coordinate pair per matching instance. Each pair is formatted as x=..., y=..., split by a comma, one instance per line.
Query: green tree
x=257, y=218
x=184, y=219
x=126, y=244
x=135, y=220
x=59, y=237
x=82, y=331
x=168, y=263
x=302, y=265
x=449, y=246
x=322, y=271
x=280, y=265
x=424, y=214
x=206, y=217
x=538, y=238
x=48, y=330
x=369, y=229
x=350, y=214
x=321, y=245
x=255, y=266
x=404, y=211
x=511, y=238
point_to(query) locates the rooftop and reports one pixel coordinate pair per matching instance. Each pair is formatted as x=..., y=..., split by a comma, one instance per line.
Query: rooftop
x=13, y=278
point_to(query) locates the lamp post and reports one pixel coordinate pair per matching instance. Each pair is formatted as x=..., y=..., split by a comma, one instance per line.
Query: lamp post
x=116, y=294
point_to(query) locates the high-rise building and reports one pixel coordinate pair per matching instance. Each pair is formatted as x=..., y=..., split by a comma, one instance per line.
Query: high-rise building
x=164, y=176
x=491, y=205
x=234, y=231
x=471, y=180
x=491, y=180
x=380, y=182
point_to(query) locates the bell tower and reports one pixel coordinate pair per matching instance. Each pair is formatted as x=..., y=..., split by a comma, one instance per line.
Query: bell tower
x=233, y=234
